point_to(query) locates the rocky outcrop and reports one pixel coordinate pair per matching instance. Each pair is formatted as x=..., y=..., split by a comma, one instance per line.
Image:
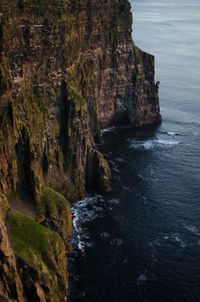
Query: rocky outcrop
x=68, y=68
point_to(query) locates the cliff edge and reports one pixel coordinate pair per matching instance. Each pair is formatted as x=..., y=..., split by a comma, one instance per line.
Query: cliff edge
x=68, y=68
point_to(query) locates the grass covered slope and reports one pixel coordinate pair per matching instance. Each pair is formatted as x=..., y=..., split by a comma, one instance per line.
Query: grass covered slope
x=67, y=69
x=40, y=252
x=54, y=212
x=33, y=242
x=41, y=247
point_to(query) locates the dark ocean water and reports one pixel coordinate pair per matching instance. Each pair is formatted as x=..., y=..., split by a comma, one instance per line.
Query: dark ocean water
x=141, y=243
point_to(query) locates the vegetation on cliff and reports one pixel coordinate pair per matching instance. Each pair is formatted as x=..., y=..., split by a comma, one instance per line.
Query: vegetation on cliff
x=67, y=69
x=41, y=253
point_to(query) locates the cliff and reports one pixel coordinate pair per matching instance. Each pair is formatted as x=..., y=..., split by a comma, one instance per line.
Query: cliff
x=67, y=69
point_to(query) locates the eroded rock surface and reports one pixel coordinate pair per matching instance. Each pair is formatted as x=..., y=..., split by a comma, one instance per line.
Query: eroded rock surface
x=68, y=68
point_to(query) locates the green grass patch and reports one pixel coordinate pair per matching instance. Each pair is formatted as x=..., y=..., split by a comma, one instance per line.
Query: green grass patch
x=52, y=203
x=32, y=242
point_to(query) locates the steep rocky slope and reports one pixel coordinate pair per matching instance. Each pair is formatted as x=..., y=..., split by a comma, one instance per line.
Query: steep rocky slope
x=67, y=69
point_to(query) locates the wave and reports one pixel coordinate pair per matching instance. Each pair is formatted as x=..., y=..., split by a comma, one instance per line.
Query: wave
x=82, y=212
x=107, y=130
x=85, y=211
x=170, y=133
x=193, y=229
x=166, y=142
x=166, y=239
x=151, y=144
x=114, y=201
x=176, y=238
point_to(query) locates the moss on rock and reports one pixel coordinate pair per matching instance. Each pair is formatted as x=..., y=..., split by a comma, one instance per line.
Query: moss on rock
x=42, y=252
x=54, y=211
x=98, y=172
x=32, y=241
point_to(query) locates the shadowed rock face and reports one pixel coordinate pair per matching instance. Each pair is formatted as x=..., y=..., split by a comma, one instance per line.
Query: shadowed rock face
x=3, y=299
x=67, y=69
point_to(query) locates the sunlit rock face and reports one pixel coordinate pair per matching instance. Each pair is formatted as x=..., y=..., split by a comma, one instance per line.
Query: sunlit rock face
x=68, y=68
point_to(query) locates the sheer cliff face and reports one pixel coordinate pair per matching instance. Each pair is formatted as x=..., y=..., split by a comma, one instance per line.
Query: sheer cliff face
x=67, y=69
x=124, y=87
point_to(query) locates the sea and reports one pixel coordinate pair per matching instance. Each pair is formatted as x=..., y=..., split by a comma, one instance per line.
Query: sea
x=141, y=242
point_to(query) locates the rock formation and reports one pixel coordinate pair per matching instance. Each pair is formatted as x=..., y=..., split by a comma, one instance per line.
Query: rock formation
x=67, y=69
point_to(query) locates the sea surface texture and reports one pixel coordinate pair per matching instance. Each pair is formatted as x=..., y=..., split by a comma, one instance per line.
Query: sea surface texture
x=141, y=243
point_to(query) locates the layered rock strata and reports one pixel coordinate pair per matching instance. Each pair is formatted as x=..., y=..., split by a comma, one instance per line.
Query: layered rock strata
x=67, y=69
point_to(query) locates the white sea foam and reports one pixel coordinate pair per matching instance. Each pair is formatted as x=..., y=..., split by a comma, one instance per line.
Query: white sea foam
x=75, y=220
x=170, y=133
x=176, y=238
x=151, y=144
x=193, y=229
x=166, y=142
x=85, y=211
x=82, y=244
x=173, y=238
x=143, y=144
x=107, y=130
x=148, y=145
x=113, y=201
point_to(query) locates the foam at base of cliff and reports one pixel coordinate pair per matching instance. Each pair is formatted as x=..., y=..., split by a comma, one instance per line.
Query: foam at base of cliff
x=67, y=69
